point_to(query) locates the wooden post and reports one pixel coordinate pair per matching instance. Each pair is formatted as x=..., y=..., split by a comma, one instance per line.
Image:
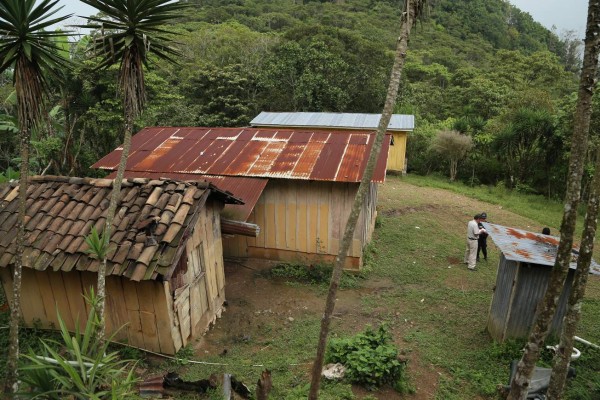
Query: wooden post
x=264, y=385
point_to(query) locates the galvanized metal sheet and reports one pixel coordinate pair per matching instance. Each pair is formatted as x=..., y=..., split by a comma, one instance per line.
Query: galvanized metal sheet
x=252, y=152
x=524, y=246
x=398, y=122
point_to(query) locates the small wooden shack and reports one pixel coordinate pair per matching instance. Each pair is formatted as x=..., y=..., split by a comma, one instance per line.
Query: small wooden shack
x=165, y=280
x=297, y=185
x=526, y=261
x=399, y=127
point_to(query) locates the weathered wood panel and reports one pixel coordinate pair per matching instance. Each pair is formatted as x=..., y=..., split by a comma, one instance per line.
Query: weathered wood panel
x=306, y=217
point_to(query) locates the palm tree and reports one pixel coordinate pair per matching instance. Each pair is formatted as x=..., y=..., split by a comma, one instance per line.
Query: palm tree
x=547, y=306
x=128, y=32
x=32, y=54
x=413, y=9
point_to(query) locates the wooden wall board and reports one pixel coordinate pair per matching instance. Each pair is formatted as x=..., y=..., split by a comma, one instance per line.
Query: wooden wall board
x=115, y=308
x=149, y=331
x=40, y=283
x=74, y=294
x=32, y=306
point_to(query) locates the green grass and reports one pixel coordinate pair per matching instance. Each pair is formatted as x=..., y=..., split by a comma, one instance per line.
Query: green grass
x=435, y=308
x=535, y=207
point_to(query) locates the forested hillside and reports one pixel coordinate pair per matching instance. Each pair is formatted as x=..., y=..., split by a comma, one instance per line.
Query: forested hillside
x=480, y=67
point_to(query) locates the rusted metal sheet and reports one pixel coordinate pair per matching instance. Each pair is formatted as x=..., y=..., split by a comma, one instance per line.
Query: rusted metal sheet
x=246, y=189
x=252, y=152
x=534, y=248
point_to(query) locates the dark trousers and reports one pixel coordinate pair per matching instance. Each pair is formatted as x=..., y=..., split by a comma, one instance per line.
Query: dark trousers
x=482, y=247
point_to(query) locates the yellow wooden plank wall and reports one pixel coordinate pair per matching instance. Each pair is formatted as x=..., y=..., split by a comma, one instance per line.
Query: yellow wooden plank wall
x=397, y=153
x=306, y=217
x=140, y=308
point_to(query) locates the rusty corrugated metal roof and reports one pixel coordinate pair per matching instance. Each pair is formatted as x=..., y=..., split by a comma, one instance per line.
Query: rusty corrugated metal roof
x=398, y=122
x=252, y=152
x=524, y=246
x=246, y=189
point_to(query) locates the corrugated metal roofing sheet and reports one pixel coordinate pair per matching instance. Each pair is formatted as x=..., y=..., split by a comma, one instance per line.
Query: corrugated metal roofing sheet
x=524, y=246
x=246, y=189
x=252, y=152
x=398, y=122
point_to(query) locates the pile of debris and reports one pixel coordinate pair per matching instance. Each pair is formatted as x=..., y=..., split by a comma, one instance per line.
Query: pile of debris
x=171, y=384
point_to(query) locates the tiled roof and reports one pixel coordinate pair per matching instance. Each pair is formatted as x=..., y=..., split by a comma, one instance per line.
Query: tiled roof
x=246, y=189
x=61, y=212
x=303, y=154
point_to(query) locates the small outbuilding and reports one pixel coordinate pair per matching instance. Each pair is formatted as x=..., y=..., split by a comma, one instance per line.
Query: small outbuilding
x=399, y=127
x=298, y=185
x=165, y=280
x=526, y=261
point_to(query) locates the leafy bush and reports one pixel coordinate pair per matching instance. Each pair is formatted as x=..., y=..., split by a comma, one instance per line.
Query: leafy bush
x=317, y=274
x=79, y=367
x=370, y=358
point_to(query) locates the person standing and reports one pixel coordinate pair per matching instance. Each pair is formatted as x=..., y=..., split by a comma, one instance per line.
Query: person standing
x=473, y=232
x=482, y=240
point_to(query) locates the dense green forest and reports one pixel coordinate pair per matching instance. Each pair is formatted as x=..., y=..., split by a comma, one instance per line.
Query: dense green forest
x=479, y=67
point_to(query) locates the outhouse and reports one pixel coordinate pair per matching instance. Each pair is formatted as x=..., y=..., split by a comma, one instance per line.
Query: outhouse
x=526, y=261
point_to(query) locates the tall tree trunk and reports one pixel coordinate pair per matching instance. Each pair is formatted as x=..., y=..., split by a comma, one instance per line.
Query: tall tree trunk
x=547, y=306
x=11, y=384
x=408, y=18
x=573, y=315
x=110, y=216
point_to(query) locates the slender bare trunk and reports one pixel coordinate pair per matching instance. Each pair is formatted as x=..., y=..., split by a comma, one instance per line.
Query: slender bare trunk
x=110, y=216
x=11, y=384
x=573, y=315
x=547, y=306
x=406, y=23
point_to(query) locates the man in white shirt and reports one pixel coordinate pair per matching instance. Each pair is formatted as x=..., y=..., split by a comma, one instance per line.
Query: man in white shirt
x=473, y=232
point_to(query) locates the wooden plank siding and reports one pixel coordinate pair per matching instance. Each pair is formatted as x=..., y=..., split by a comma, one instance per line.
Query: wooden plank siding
x=151, y=314
x=305, y=221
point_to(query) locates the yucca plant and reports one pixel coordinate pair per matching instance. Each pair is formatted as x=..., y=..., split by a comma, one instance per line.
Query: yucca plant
x=79, y=367
x=31, y=53
x=127, y=32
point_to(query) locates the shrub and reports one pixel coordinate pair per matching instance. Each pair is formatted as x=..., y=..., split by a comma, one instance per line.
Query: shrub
x=317, y=274
x=370, y=358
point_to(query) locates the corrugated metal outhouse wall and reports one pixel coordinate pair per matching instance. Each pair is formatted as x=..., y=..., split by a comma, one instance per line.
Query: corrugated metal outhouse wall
x=519, y=288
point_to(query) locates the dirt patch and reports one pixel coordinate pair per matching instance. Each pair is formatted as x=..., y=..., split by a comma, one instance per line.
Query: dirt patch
x=253, y=301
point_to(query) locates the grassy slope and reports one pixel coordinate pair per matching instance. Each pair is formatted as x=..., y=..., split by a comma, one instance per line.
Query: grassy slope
x=436, y=309
x=421, y=238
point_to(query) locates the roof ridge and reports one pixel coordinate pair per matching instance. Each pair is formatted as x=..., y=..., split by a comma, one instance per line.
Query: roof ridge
x=108, y=182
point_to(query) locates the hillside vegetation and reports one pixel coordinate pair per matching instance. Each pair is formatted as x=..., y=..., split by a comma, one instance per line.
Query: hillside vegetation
x=480, y=67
